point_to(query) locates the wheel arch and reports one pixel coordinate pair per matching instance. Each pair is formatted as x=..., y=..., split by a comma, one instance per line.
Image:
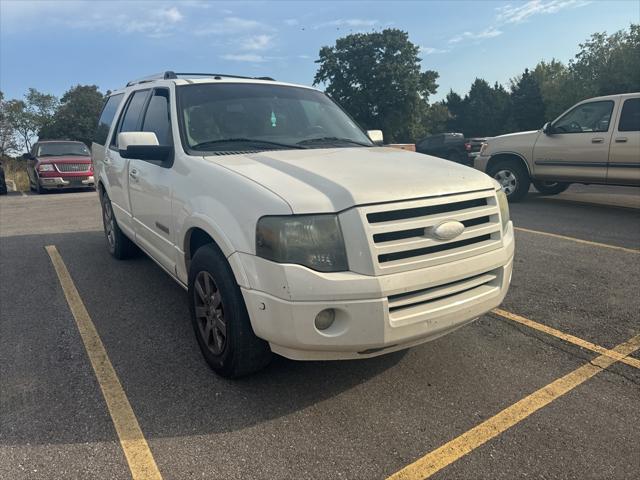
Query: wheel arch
x=508, y=156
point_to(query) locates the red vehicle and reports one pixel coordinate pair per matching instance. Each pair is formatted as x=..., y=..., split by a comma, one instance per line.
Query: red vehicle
x=58, y=164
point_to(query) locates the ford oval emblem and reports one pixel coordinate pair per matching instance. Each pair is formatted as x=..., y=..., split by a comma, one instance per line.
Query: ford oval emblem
x=447, y=230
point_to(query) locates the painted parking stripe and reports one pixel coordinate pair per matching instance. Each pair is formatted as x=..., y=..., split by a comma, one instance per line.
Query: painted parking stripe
x=467, y=442
x=578, y=240
x=566, y=337
x=134, y=445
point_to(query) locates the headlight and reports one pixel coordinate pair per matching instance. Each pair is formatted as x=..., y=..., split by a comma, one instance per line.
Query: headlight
x=45, y=167
x=503, y=204
x=483, y=148
x=314, y=241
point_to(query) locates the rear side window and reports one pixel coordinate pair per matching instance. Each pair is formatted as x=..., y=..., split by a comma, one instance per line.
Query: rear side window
x=630, y=116
x=106, y=118
x=130, y=121
x=156, y=119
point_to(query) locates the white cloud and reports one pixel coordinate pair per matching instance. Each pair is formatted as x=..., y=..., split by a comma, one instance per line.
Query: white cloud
x=521, y=12
x=490, y=32
x=232, y=25
x=245, y=57
x=349, y=22
x=171, y=15
x=257, y=42
x=432, y=50
x=292, y=22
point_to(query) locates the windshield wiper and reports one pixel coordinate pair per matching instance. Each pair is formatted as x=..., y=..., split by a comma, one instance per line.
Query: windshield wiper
x=310, y=141
x=201, y=145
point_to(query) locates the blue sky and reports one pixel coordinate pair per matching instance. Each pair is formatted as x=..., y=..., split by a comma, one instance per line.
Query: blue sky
x=52, y=45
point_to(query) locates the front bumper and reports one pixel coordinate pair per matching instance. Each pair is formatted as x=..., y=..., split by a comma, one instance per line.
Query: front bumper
x=66, y=182
x=283, y=301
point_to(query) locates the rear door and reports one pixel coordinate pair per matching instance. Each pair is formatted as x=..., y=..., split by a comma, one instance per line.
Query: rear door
x=578, y=150
x=624, y=155
x=116, y=168
x=151, y=187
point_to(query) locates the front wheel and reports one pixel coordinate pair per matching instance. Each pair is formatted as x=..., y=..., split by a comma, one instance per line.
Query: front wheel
x=513, y=178
x=220, y=319
x=118, y=244
x=550, y=188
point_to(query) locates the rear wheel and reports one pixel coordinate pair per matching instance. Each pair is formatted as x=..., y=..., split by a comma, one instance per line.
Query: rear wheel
x=513, y=178
x=118, y=244
x=550, y=188
x=220, y=319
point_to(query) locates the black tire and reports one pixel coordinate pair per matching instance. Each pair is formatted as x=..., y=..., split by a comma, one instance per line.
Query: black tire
x=550, y=188
x=38, y=188
x=118, y=244
x=220, y=319
x=513, y=177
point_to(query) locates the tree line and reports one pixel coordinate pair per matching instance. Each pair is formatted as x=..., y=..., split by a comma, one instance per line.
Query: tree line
x=377, y=77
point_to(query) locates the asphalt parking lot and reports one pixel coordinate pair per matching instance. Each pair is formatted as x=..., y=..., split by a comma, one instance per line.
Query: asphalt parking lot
x=548, y=387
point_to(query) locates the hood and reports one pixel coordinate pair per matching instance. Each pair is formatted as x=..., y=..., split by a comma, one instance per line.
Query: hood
x=331, y=180
x=514, y=139
x=65, y=159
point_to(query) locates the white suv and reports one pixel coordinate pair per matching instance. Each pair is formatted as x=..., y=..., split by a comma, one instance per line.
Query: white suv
x=596, y=141
x=292, y=231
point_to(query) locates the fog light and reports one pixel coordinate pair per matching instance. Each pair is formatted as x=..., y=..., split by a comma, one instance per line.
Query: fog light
x=325, y=319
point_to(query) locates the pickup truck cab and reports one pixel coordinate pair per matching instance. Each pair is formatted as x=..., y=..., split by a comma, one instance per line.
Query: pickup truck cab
x=595, y=142
x=291, y=230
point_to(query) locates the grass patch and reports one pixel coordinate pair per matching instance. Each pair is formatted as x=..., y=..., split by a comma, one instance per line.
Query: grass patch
x=15, y=169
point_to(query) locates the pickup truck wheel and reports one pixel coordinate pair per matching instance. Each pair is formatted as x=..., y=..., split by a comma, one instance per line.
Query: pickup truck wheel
x=513, y=178
x=550, y=188
x=220, y=319
x=118, y=243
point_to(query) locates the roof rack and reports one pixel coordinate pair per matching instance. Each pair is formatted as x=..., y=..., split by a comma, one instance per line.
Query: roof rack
x=169, y=75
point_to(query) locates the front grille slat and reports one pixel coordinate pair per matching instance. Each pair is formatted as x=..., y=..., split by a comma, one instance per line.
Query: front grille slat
x=73, y=167
x=420, y=242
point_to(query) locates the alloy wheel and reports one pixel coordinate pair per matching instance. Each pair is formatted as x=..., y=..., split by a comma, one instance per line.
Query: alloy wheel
x=209, y=313
x=109, y=223
x=507, y=180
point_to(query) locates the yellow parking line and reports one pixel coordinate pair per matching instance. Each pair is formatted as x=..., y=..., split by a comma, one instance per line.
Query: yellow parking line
x=510, y=416
x=567, y=338
x=134, y=445
x=578, y=240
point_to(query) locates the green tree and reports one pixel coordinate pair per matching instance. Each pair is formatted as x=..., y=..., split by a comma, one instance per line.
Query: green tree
x=77, y=116
x=8, y=141
x=377, y=78
x=553, y=80
x=607, y=64
x=27, y=117
x=527, y=105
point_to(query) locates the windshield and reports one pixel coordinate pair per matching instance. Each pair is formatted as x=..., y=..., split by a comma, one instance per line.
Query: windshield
x=240, y=117
x=58, y=149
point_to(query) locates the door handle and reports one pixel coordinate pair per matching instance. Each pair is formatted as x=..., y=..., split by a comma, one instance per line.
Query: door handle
x=621, y=139
x=597, y=140
x=133, y=173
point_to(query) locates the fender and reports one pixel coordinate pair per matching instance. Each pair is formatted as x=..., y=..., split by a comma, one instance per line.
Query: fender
x=512, y=153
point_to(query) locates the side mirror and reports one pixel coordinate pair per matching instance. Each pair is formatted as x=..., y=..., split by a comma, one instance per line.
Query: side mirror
x=548, y=129
x=143, y=146
x=376, y=136
x=27, y=156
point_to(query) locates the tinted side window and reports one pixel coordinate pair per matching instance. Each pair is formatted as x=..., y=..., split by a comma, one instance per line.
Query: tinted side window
x=630, y=116
x=157, y=118
x=106, y=118
x=130, y=121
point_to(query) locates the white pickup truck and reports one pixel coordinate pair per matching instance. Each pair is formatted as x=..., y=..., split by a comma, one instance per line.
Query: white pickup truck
x=291, y=229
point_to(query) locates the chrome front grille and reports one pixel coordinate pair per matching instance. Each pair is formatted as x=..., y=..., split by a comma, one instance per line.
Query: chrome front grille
x=72, y=167
x=400, y=233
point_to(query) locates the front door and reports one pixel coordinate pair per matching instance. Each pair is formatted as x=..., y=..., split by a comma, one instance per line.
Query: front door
x=578, y=148
x=150, y=188
x=624, y=156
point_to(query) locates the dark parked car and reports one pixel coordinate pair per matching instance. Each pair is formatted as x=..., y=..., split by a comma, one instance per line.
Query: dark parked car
x=452, y=146
x=58, y=164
